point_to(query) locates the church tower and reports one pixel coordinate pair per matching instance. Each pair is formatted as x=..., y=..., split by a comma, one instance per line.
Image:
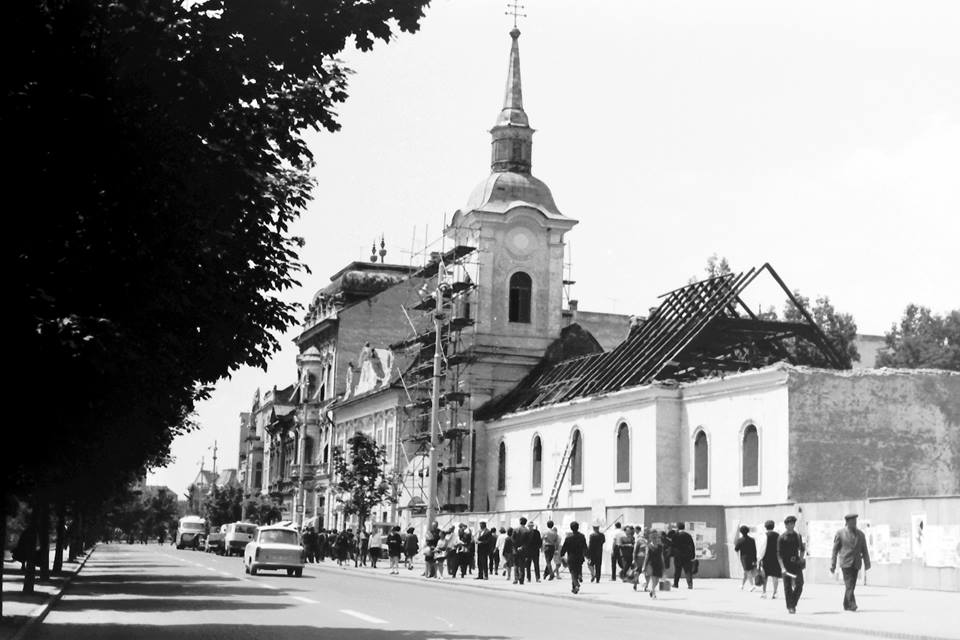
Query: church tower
x=518, y=231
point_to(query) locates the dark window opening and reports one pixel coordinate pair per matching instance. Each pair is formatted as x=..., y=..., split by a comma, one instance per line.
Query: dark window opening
x=701, y=453
x=576, y=460
x=502, y=468
x=537, y=481
x=751, y=457
x=521, y=287
x=623, y=453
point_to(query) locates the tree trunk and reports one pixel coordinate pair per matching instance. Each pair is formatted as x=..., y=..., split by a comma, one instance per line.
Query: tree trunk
x=43, y=534
x=61, y=535
x=3, y=549
x=30, y=567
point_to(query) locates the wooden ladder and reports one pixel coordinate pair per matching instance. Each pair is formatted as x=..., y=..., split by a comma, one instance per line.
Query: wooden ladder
x=561, y=474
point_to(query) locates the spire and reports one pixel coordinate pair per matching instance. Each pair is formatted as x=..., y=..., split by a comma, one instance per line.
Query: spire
x=512, y=135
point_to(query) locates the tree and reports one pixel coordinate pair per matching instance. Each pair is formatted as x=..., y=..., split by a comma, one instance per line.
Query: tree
x=261, y=509
x=160, y=164
x=223, y=505
x=716, y=266
x=923, y=340
x=840, y=329
x=361, y=480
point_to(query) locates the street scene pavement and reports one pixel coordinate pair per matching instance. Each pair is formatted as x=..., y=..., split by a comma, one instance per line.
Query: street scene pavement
x=151, y=591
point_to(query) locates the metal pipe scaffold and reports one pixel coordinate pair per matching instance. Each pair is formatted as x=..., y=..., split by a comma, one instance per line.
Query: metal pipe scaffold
x=435, y=401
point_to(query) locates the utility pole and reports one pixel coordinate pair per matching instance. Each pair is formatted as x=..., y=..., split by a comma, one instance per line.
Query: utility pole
x=214, y=459
x=301, y=449
x=435, y=400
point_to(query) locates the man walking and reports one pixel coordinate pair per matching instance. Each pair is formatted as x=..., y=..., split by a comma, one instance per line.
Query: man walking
x=532, y=552
x=551, y=540
x=484, y=546
x=850, y=548
x=575, y=547
x=595, y=550
x=520, y=552
x=790, y=551
x=684, y=551
x=618, y=536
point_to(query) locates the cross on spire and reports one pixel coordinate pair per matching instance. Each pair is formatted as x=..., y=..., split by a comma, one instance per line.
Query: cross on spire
x=514, y=10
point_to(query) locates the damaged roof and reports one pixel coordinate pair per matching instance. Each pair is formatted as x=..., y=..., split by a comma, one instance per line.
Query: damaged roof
x=701, y=329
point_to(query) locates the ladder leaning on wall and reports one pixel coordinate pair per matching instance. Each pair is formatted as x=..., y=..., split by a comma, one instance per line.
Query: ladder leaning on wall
x=561, y=473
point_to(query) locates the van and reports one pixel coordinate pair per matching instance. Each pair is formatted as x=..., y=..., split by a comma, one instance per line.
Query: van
x=238, y=536
x=191, y=532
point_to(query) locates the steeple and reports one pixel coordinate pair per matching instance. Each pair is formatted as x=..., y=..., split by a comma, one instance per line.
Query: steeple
x=512, y=135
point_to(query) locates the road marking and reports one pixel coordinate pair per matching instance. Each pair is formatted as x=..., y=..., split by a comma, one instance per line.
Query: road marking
x=268, y=586
x=224, y=573
x=302, y=599
x=363, y=616
x=208, y=568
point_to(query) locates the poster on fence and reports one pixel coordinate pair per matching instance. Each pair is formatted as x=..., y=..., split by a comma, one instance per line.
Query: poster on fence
x=704, y=539
x=941, y=545
x=819, y=538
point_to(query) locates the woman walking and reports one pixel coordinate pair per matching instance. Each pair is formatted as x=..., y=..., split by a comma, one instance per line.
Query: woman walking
x=411, y=546
x=747, y=548
x=639, y=559
x=653, y=563
x=508, y=554
x=770, y=565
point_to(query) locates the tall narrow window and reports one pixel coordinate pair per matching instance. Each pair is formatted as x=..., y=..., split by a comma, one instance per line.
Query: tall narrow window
x=308, y=451
x=520, y=288
x=750, y=457
x=623, y=453
x=457, y=488
x=502, y=468
x=258, y=476
x=701, y=461
x=537, y=464
x=576, y=459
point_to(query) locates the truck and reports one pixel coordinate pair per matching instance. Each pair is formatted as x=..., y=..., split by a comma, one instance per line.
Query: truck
x=237, y=536
x=215, y=539
x=191, y=532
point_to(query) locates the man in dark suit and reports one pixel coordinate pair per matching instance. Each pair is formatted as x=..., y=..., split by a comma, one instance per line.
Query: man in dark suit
x=683, y=551
x=575, y=548
x=532, y=552
x=485, y=542
x=850, y=548
x=595, y=550
x=520, y=536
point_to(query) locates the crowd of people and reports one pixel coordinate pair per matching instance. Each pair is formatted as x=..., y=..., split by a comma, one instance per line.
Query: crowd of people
x=640, y=556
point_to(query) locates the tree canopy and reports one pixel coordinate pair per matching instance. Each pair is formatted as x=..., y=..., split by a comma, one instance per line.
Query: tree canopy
x=158, y=162
x=360, y=475
x=923, y=339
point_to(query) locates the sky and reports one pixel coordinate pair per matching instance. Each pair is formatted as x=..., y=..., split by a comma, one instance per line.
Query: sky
x=822, y=137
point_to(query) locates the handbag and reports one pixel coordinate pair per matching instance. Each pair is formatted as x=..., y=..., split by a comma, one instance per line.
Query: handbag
x=758, y=579
x=695, y=567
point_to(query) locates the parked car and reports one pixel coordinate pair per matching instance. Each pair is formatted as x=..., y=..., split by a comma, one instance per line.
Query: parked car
x=274, y=548
x=237, y=536
x=215, y=541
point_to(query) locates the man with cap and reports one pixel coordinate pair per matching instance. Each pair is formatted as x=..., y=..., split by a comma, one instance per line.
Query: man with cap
x=790, y=552
x=850, y=548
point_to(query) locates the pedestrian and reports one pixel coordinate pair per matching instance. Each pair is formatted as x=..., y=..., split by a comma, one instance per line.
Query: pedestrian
x=850, y=549
x=639, y=555
x=683, y=551
x=551, y=541
x=574, y=549
x=509, y=556
x=653, y=562
x=375, y=543
x=790, y=551
x=770, y=564
x=440, y=552
x=625, y=554
x=464, y=549
x=363, y=539
x=411, y=545
x=618, y=536
x=497, y=554
x=521, y=561
x=394, y=549
x=485, y=546
x=595, y=553
x=747, y=548
x=429, y=563
x=342, y=547
x=532, y=550
x=453, y=546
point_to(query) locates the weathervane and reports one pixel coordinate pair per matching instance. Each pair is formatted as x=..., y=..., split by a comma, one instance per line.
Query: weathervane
x=515, y=9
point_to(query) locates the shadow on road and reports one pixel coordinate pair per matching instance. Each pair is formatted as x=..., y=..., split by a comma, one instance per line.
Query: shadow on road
x=165, y=589
x=237, y=632
x=153, y=605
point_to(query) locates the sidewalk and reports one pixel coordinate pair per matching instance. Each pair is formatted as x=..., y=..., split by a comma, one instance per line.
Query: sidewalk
x=20, y=611
x=883, y=611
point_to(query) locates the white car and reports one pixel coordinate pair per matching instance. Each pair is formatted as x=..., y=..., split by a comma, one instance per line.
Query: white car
x=274, y=547
x=237, y=536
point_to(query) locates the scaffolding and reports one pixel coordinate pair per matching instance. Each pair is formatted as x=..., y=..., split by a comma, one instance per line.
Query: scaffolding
x=448, y=301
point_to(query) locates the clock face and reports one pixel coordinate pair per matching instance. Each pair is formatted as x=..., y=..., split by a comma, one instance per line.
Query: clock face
x=520, y=241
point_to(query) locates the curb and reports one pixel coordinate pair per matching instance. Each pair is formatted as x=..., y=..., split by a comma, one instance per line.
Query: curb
x=789, y=622
x=54, y=599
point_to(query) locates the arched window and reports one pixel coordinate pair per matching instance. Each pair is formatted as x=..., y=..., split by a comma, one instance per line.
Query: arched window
x=576, y=459
x=623, y=453
x=502, y=468
x=701, y=461
x=326, y=454
x=520, y=288
x=308, y=451
x=750, y=457
x=537, y=463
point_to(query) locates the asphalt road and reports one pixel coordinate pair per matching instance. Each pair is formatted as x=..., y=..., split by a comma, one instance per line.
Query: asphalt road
x=151, y=592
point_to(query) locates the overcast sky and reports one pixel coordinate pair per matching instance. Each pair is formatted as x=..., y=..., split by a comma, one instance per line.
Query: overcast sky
x=822, y=137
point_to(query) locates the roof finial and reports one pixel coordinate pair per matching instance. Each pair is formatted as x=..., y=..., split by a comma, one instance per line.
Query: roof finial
x=514, y=10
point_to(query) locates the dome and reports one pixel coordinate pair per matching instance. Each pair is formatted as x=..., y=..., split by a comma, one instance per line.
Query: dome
x=503, y=191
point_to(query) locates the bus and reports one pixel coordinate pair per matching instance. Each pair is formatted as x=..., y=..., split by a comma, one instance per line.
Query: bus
x=190, y=532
